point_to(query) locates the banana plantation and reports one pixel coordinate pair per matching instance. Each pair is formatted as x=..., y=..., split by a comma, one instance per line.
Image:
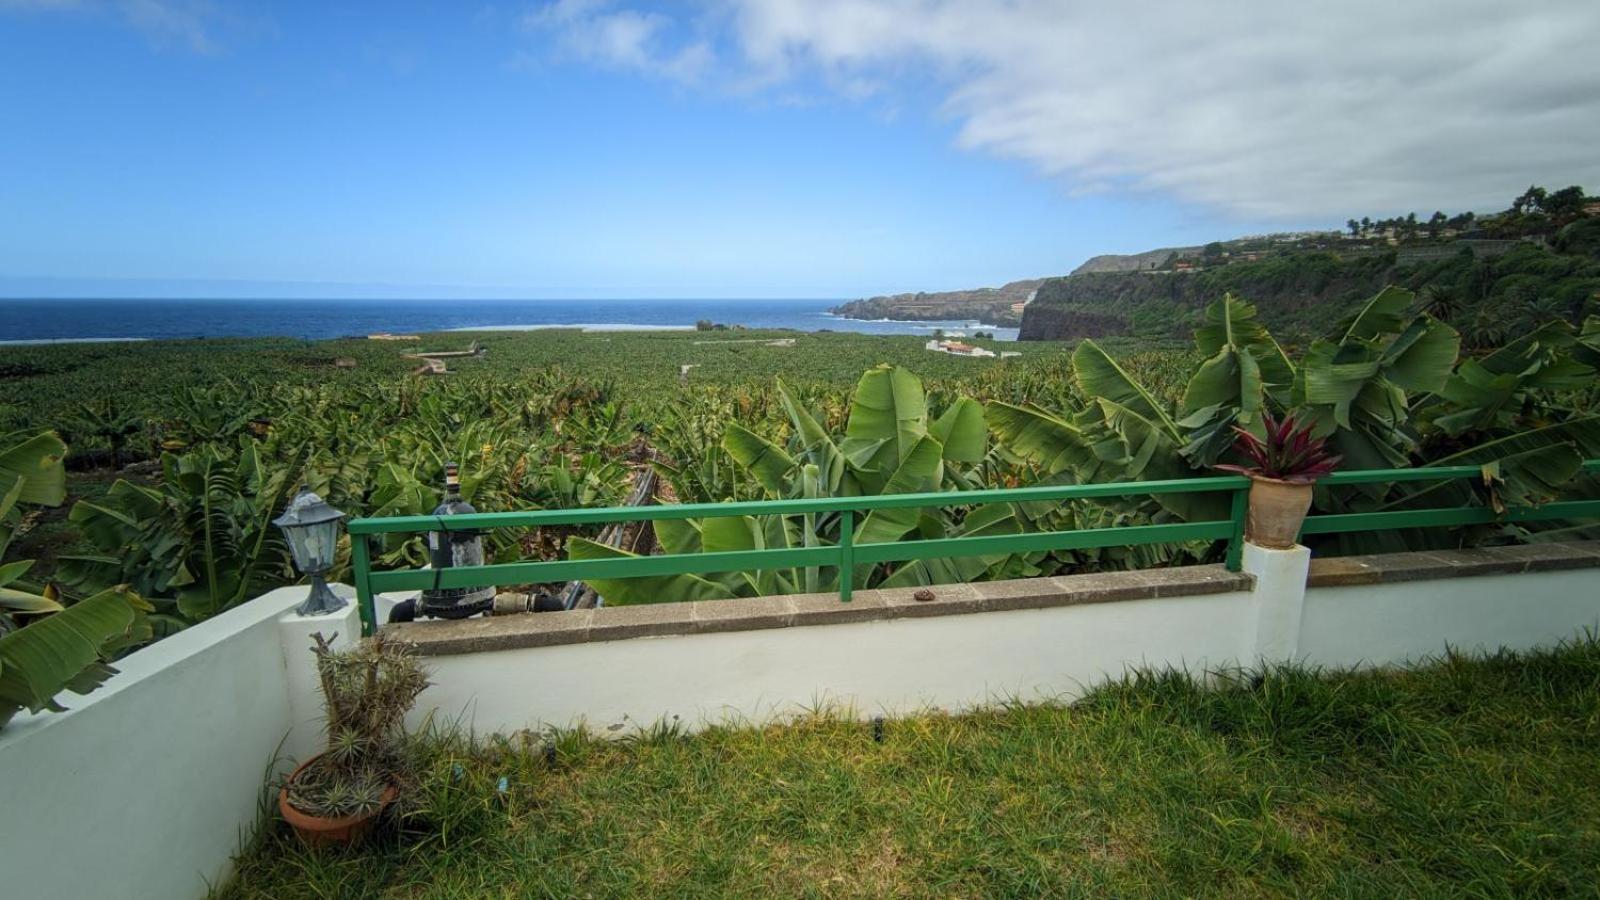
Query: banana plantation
x=203, y=451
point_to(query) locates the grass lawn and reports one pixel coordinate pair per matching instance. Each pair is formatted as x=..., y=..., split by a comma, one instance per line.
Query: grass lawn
x=1467, y=777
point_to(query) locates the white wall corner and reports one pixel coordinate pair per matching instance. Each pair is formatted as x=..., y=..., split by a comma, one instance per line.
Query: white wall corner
x=1280, y=597
x=342, y=628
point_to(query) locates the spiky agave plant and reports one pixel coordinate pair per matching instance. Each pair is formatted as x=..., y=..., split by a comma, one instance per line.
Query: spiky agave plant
x=1288, y=453
x=366, y=692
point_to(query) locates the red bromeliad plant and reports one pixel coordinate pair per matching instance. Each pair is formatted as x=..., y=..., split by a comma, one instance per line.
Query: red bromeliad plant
x=1289, y=453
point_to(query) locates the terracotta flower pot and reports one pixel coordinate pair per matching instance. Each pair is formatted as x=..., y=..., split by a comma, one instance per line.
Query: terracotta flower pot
x=320, y=831
x=1277, y=510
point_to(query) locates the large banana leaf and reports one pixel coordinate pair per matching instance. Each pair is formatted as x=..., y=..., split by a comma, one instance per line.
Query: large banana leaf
x=1231, y=323
x=961, y=432
x=981, y=522
x=1102, y=378
x=651, y=589
x=1384, y=314
x=1582, y=434
x=37, y=462
x=728, y=534
x=921, y=471
x=1154, y=456
x=9, y=494
x=1048, y=441
x=760, y=457
x=1421, y=358
x=888, y=416
x=816, y=445
x=64, y=651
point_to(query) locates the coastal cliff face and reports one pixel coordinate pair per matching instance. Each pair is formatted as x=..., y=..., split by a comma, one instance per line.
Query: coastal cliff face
x=1057, y=323
x=991, y=306
x=1133, y=262
x=1293, y=294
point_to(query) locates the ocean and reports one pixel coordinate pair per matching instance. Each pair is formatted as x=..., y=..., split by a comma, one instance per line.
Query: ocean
x=56, y=320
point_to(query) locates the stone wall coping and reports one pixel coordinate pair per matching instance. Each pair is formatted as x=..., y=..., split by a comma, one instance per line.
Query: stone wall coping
x=1391, y=568
x=438, y=638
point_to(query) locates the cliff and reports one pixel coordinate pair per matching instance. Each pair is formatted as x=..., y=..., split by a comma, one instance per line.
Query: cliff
x=1295, y=293
x=1133, y=262
x=992, y=306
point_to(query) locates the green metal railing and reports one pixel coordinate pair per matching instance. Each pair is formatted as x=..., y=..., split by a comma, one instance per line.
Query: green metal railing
x=847, y=553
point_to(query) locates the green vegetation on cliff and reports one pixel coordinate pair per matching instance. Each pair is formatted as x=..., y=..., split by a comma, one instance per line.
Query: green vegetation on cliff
x=1490, y=276
x=1488, y=298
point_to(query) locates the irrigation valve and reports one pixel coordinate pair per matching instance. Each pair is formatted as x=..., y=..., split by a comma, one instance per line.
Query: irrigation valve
x=451, y=548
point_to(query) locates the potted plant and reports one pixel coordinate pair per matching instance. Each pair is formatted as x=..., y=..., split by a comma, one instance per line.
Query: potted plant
x=1283, y=467
x=337, y=795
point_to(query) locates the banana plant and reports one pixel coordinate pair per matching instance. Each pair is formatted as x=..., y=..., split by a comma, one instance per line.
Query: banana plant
x=1357, y=386
x=889, y=446
x=31, y=472
x=1384, y=389
x=68, y=650
x=200, y=543
x=47, y=647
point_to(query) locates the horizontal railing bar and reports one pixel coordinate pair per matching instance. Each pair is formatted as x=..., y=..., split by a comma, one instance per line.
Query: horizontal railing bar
x=1080, y=539
x=1374, y=476
x=1340, y=523
x=615, y=567
x=606, y=515
x=703, y=563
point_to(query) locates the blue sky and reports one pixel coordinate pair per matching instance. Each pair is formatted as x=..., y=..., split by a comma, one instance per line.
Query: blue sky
x=739, y=148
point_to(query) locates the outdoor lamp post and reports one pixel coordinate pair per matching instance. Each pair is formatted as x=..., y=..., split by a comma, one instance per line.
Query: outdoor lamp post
x=312, y=529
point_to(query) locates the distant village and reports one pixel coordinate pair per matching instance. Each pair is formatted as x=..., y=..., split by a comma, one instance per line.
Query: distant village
x=950, y=343
x=1532, y=218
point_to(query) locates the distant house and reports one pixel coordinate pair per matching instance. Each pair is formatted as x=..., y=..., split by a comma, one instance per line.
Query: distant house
x=956, y=348
x=1184, y=265
x=1019, y=306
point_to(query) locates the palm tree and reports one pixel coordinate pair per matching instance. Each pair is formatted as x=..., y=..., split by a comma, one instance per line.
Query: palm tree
x=1443, y=302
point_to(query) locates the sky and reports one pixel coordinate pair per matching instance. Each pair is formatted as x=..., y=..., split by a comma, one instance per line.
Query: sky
x=746, y=148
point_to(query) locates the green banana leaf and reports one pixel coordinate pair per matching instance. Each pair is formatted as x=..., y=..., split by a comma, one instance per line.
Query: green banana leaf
x=921, y=471
x=64, y=651
x=650, y=589
x=1101, y=378
x=37, y=462
x=816, y=445
x=763, y=459
x=961, y=432
x=1047, y=441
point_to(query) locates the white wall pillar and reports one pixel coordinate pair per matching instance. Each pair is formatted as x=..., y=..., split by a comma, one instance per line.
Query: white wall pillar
x=1280, y=597
x=342, y=628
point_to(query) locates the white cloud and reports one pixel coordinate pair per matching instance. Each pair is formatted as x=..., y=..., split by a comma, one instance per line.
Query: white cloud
x=1264, y=110
x=180, y=21
x=591, y=31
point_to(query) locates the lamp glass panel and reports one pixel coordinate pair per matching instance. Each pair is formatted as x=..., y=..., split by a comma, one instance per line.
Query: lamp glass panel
x=320, y=539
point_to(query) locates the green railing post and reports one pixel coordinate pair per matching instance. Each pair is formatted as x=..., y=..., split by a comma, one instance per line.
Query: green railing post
x=847, y=554
x=361, y=561
x=1241, y=510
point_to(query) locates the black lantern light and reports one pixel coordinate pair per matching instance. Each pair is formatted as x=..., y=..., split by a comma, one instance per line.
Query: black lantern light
x=312, y=529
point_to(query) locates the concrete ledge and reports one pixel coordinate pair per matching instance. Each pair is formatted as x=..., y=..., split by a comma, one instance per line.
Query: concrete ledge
x=1391, y=568
x=439, y=638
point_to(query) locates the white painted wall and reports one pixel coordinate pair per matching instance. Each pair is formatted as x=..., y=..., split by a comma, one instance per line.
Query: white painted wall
x=889, y=667
x=959, y=662
x=1387, y=624
x=146, y=787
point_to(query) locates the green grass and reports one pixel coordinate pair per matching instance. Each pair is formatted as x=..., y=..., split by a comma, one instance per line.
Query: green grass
x=1466, y=777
